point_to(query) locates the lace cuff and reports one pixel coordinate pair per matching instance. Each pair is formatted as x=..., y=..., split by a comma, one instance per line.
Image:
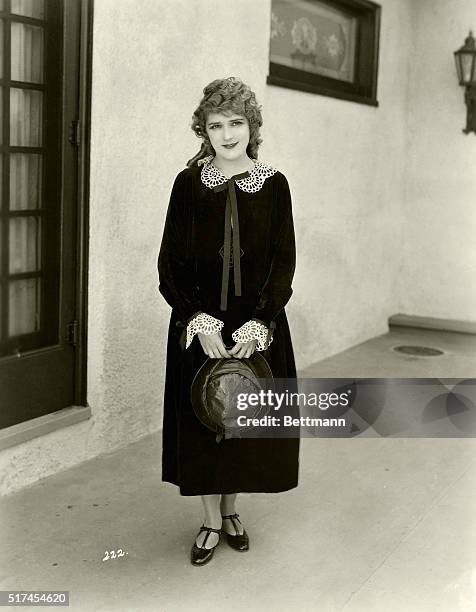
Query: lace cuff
x=203, y=323
x=253, y=330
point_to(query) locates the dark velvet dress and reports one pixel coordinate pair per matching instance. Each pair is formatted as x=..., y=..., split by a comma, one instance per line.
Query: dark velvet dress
x=190, y=268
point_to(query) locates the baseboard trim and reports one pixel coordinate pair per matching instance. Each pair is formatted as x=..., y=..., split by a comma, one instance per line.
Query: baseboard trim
x=450, y=325
x=22, y=432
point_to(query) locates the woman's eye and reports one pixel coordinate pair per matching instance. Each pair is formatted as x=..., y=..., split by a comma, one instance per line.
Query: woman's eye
x=237, y=122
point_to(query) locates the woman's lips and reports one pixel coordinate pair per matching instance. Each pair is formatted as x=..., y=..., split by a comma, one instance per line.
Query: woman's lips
x=230, y=146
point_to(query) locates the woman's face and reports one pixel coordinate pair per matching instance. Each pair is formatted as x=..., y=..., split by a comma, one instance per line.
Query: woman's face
x=229, y=135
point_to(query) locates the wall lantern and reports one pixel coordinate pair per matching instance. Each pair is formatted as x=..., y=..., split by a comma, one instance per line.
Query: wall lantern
x=466, y=68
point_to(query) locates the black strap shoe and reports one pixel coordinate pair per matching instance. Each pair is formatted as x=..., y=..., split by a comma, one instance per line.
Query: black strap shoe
x=240, y=541
x=199, y=554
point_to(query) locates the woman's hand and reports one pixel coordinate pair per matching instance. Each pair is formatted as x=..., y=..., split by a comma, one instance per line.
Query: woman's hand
x=243, y=349
x=212, y=345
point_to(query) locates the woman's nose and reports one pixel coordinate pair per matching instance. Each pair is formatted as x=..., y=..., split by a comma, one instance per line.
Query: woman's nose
x=227, y=133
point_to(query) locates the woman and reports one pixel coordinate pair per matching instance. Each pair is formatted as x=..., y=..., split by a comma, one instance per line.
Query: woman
x=225, y=266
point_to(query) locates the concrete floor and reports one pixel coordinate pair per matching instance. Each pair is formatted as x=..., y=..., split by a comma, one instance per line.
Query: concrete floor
x=375, y=524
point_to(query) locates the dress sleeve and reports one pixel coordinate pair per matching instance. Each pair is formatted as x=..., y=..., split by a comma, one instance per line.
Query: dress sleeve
x=277, y=290
x=177, y=282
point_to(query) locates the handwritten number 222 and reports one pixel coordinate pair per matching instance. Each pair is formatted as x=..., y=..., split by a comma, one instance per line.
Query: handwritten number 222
x=113, y=554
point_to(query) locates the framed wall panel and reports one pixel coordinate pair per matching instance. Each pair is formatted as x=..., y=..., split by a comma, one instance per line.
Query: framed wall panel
x=327, y=47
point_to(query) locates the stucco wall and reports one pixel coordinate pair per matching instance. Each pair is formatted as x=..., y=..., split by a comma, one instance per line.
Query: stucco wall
x=346, y=164
x=438, y=253
x=347, y=196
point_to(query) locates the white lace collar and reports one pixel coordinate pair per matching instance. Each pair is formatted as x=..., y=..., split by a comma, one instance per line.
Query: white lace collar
x=211, y=176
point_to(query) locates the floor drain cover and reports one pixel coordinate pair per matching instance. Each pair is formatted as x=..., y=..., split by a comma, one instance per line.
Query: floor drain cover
x=419, y=351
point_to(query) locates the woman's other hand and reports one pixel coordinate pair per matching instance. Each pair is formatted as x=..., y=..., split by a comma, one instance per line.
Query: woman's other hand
x=243, y=349
x=212, y=345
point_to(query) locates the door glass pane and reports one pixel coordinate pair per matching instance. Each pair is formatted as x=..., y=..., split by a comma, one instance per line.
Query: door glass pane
x=25, y=117
x=24, y=302
x=25, y=181
x=1, y=42
x=30, y=8
x=27, y=53
x=25, y=241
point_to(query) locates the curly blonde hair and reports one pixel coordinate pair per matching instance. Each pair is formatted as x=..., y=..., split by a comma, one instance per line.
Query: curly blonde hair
x=227, y=96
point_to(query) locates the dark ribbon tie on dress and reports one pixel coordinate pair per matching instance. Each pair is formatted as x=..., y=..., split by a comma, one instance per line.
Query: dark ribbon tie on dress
x=231, y=221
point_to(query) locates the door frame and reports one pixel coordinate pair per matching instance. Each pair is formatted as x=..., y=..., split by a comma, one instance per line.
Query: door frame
x=74, y=135
x=84, y=152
